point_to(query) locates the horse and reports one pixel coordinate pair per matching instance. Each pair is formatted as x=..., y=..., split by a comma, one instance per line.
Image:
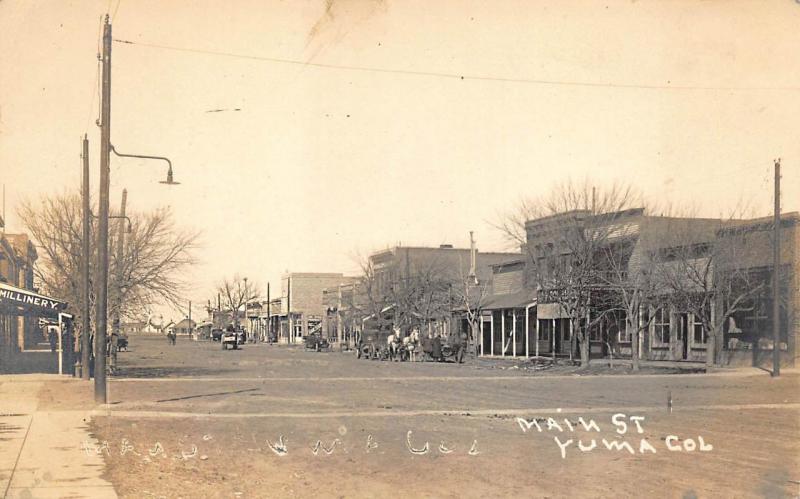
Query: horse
x=411, y=342
x=393, y=343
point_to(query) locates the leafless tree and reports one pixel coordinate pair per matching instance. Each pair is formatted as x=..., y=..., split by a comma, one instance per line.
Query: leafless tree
x=707, y=269
x=470, y=297
x=370, y=297
x=630, y=276
x=236, y=292
x=155, y=256
x=569, y=269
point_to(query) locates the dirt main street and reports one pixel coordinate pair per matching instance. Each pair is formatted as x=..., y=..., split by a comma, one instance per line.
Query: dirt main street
x=268, y=421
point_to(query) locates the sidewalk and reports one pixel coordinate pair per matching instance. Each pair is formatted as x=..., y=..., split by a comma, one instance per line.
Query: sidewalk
x=42, y=454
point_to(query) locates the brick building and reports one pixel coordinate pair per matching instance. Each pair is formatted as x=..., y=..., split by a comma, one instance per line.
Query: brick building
x=23, y=343
x=422, y=286
x=300, y=309
x=721, y=273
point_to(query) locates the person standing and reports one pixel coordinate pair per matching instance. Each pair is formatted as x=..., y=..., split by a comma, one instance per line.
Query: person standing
x=459, y=346
x=436, y=348
x=427, y=347
x=52, y=338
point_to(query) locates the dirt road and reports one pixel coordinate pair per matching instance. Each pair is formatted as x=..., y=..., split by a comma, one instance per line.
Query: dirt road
x=267, y=421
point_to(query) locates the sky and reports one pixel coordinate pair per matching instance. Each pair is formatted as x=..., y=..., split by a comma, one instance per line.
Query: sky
x=348, y=126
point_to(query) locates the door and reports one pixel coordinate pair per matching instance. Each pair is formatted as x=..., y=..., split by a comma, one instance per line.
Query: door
x=683, y=336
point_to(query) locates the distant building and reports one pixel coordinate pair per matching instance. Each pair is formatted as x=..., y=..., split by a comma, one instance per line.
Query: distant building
x=185, y=327
x=133, y=327
x=301, y=303
x=420, y=287
x=341, y=319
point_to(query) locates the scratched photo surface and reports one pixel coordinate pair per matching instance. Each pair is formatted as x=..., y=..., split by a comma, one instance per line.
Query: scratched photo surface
x=383, y=248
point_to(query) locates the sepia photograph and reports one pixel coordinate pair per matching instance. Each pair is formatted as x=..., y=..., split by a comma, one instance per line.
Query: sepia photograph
x=399, y=248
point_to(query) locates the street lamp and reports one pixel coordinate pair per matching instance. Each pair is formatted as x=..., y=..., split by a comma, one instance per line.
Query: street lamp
x=100, y=392
x=100, y=388
x=169, y=180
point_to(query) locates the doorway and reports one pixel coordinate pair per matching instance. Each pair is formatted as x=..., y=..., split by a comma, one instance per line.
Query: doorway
x=683, y=336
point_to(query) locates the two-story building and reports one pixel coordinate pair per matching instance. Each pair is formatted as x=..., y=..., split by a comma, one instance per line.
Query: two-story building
x=300, y=309
x=697, y=279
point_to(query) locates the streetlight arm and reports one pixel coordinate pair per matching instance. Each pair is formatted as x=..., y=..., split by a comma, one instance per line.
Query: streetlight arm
x=143, y=156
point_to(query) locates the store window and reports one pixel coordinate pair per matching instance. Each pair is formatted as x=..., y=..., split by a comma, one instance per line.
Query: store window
x=624, y=335
x=698, y=330
x=661, y=326
x=545, y=329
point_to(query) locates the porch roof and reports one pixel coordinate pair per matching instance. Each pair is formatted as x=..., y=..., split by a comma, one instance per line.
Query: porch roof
x=518, y=299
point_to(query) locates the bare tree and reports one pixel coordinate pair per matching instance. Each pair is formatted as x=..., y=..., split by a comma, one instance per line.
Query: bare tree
x=470, y=297
x=706, y=268
x=236, y=292
x=371, y=297
x=568, y=266
x=630, y=275
x=155, y=256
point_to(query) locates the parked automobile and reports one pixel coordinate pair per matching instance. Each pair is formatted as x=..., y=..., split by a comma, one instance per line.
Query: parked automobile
x=122, y=343
x=316, y=342
x=231, y=338
x=216, y=334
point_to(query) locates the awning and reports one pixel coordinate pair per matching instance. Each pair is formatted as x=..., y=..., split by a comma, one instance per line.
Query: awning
x=520, y=299
x=12, y=296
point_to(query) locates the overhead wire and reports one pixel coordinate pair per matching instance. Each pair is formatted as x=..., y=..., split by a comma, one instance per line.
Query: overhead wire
x=458, y=76
x=114, y=15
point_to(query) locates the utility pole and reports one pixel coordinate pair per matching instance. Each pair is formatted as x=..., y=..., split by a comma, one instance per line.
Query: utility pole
x=120, y=267
x=244, y=316
x=100, y=393
x=776, y=262
x=269, y=318
x=86, y=344
x=288, y=310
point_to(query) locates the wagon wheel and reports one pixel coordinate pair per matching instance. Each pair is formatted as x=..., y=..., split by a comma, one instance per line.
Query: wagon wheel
x=447, y=351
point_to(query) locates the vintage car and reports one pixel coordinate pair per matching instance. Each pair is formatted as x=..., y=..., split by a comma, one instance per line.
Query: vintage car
x=316, y=342
x=122, y=343
x=373, y=344
x=232, y=338
x=216, y=334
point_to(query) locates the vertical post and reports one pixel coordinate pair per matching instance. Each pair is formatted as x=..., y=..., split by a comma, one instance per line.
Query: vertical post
x=289, y=310
x=503, y=333
x=120, y=267
x=60, y=345
x=480, y=317
x=491, y=333
x=86, y=345
x=244, y=316
x=514, y=333
x=536, y=332
x=553, y=339
x=776, y=262
x=269, y=317
x=100, y=395
x=527, y=332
